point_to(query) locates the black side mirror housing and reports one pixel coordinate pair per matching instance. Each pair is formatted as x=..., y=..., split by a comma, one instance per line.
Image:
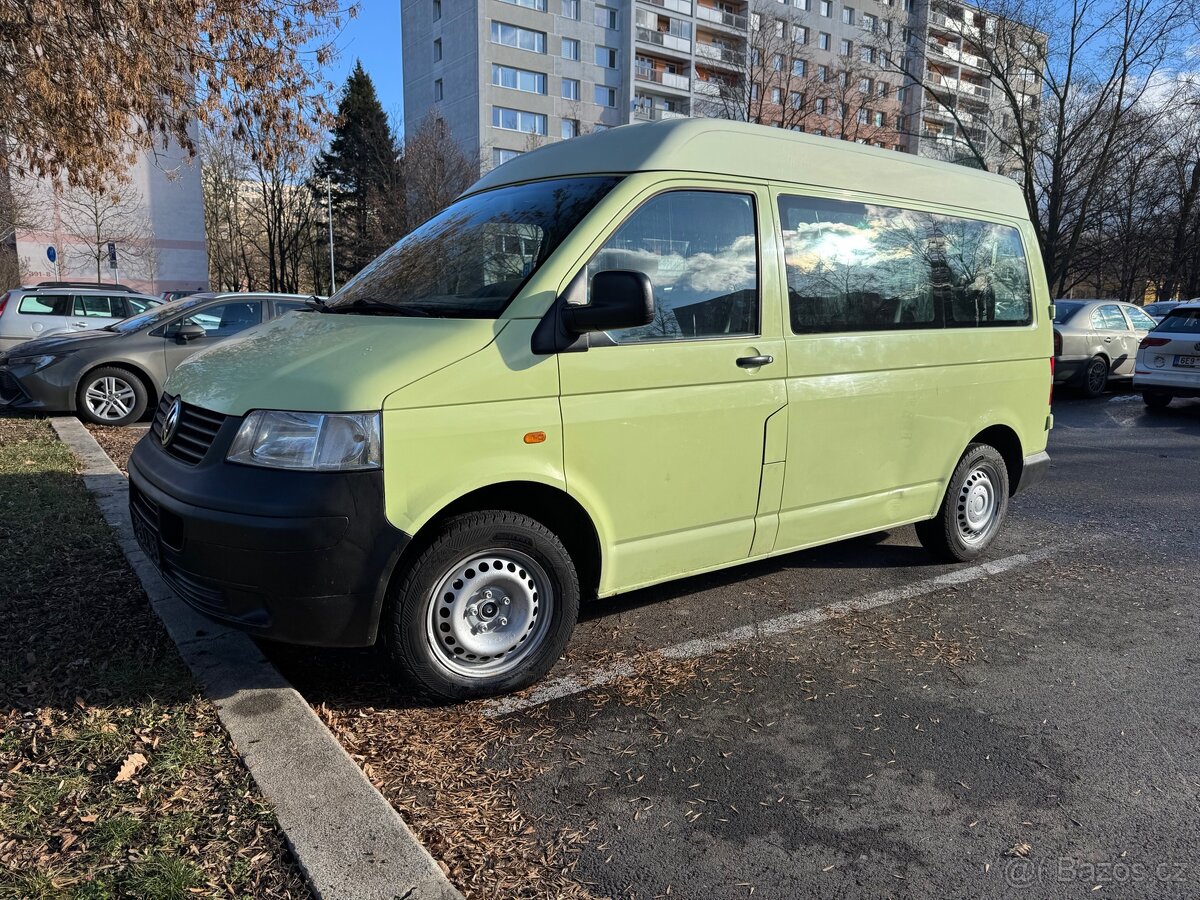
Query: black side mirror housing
x=189, y=332
x=620, y=299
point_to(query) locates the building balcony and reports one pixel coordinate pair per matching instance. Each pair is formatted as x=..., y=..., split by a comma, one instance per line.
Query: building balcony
x=720, y=54
x=667, y=79
x=679, y=6
x=707, y=88
x=720, y=17
x=665, y=39
x=655, y=114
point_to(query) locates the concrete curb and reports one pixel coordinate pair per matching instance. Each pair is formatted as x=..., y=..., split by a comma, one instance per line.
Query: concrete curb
x=350, y=842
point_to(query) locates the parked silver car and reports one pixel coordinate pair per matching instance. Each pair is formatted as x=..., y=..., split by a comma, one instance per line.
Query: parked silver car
x=110, y=376
x=55, y=307
x=1096, y=340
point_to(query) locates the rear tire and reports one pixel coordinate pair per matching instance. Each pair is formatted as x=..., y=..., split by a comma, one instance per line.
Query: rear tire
x=1156, y=399
x=973, y=509
x=486, y=608
x=111, y=396
x=1095, y=377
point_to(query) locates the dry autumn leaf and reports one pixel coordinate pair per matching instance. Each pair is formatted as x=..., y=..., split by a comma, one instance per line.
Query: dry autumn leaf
x=132, y=765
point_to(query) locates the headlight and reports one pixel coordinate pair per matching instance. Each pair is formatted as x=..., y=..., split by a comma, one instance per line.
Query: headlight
x=38, y=362
x=325, y=442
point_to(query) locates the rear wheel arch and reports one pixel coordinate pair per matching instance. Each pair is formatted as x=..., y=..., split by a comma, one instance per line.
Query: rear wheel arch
x=1007, y=443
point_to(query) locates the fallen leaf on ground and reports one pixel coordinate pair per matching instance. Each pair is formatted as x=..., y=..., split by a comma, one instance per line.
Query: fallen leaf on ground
x=132, y=765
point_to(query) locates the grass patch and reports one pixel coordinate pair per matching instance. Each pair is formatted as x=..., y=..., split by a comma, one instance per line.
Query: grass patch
x=116, y=778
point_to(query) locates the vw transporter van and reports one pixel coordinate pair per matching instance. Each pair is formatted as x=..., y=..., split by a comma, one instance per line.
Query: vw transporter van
x=622, y=359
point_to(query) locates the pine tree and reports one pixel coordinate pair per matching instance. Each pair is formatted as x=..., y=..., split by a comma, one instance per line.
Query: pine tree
x=363, y=166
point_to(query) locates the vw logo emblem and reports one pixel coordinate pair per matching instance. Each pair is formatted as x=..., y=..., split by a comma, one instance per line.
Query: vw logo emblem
x=1197, y=347
x=170, y=423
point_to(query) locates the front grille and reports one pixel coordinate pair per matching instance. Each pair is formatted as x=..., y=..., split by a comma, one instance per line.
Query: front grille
x=196, y=432
x=10, y=389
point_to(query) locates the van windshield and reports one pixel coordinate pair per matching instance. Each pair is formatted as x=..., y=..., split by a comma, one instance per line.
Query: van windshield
x=471, y=259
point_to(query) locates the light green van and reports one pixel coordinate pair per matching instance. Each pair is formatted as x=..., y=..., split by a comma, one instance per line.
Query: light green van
x=619, y=360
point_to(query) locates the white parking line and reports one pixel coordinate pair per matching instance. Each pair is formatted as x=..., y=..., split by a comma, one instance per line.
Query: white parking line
x=567, y=685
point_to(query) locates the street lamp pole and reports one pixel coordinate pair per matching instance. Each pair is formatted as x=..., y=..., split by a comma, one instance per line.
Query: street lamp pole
x=329, y=215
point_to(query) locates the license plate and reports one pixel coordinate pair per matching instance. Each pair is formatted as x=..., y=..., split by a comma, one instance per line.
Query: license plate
x=146, y=539
x=1188, y=362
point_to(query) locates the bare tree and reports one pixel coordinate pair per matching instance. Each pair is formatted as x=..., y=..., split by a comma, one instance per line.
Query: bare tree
x=1057, y=106
x=222, y=179
x=435, y=170
x=93, y=216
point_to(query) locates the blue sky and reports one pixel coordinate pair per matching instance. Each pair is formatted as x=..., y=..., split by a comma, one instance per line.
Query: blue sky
x=374, y=37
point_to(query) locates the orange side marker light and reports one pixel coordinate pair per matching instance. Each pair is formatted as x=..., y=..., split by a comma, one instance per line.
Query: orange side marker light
x=535, y=437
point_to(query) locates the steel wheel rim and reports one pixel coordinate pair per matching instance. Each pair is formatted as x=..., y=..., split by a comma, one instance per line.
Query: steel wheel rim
x=978, y=504
x=1097, y=375
x=489, y=613
x=110, y=398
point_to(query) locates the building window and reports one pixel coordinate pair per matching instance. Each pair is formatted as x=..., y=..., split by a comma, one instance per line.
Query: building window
x=570, y=89
x=826, y=8
x=437, y=50
x=845, y=47
x=780, y=28
x=518, y=79
x=776, y=95
x=500, y=156
x=862, y=116
x=864, y=85
x=570, y=128
x=539, y=5
x=607, y=57
x=437, y=89
x=796, y=100
x=518, y=120
x=570, y=48
x=847, y=15
x=881, y=89
x=868, y=22
x=819, y=106
x=521, y=38
x=799, y=67
x=606, y=17
x=799, y=34
x=867, y=54
x=437, y=9
x=880, y=119
x=777, y=62
x=822, y=73
x=824, y=41
x=606, y=96
x=570, y=9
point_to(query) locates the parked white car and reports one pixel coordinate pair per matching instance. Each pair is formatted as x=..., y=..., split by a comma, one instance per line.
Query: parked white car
x=58, y=307
x=1168, y=360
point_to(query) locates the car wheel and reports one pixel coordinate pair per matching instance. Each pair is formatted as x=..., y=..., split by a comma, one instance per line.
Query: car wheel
x=487, y=607
x=1095, y=376
x=973, y=509
x=1156, y=399
x=111, y=396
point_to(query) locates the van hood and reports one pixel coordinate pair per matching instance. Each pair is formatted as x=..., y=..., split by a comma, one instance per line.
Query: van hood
x=324, y=362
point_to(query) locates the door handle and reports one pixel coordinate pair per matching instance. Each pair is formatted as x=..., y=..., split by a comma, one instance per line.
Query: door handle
x=753, y=362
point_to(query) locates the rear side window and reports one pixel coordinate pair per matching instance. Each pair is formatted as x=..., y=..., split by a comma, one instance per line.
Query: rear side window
x=861, y=267
x=1065, y=311
x=45, y=305
x=1181, y=321
x=1108, y=318
x=93, y=306
x=1140, y=320
x=135, y=305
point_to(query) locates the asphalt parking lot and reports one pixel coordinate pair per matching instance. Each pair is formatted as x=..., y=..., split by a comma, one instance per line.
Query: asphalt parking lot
x=1024, y=727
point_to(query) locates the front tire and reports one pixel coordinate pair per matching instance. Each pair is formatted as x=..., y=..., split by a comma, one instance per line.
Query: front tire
x=486, y=608
x=111, y=396
x=1156, y=399
x=1095, y=377
x=973, y=509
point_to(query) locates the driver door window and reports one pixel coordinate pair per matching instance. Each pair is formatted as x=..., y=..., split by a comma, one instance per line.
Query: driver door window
x=1108, y=318
x=700, y=251
x=227, y=319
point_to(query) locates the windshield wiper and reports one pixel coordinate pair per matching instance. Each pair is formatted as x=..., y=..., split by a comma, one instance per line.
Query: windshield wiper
x=316, y=303
x=367, y=306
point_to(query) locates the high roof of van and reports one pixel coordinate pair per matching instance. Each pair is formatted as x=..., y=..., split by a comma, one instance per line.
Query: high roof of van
x=727, y=148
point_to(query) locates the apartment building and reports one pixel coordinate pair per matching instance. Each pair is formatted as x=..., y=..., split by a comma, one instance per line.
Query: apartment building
x=509, y=75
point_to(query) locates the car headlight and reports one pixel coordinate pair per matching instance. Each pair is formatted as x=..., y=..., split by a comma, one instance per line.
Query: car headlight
x=38, y=362
x=323, y=442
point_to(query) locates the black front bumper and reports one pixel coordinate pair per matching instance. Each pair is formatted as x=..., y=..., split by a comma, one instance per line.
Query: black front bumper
x=302, y=557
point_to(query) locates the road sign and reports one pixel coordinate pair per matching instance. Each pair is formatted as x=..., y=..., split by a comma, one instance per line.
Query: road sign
x=51, y=253
x=112, y=255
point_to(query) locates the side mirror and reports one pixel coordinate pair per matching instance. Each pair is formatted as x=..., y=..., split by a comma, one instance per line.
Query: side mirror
x=620, y=299
x=189, y=332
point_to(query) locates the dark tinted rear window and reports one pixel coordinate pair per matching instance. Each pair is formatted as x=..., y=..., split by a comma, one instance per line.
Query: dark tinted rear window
x=1064, y=310
x=1181, y=321
x=45, y=305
